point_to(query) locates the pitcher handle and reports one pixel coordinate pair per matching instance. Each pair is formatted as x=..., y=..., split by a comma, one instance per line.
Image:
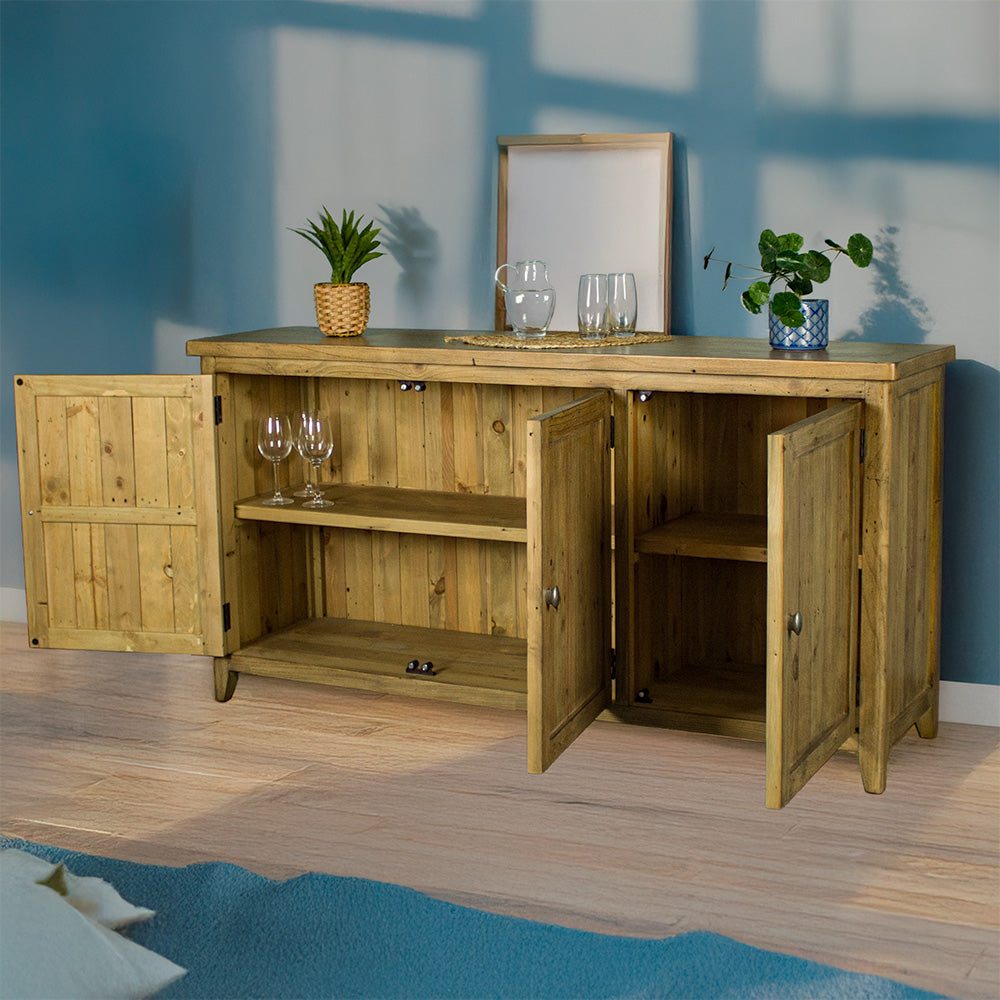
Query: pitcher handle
x=496, y=276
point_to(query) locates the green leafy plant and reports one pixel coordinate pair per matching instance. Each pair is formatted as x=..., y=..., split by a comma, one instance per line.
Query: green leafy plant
x=782, y=259
x=346, y=246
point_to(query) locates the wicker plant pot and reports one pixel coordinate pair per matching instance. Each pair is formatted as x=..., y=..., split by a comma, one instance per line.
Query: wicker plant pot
x=342, y=310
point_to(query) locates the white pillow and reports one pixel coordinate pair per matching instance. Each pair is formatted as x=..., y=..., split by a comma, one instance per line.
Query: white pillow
x=57, y=941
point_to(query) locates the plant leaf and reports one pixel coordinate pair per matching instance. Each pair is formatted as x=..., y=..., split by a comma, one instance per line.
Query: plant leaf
x=708, y=257
x=787, y=260
x=787, y=307
x=815, y=266
x=790, y=241
x=768, y=248
x=749, y=304
x=729, y=271
x=859, y=249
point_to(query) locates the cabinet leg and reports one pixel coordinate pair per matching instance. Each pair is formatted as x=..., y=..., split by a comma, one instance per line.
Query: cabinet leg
x=225, y=679
x=927, y=724
x=873, y=756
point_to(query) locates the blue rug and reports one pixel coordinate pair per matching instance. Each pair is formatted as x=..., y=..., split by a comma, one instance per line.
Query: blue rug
x=242, y=935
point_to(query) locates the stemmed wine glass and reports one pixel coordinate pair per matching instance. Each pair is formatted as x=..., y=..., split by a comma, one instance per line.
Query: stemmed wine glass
x=274, y=442
x=315, y=444
x=308, y=491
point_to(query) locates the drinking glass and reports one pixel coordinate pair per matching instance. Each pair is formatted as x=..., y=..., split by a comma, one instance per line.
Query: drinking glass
x=274, y=442
x=315, y=444
x=621, y=304
x=592, y=306
x=309, y=490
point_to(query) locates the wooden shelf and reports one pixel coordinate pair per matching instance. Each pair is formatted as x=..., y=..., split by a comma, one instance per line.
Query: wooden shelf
x=469, y=668
x=420, y=512
x=727, y=699
x=741, y=537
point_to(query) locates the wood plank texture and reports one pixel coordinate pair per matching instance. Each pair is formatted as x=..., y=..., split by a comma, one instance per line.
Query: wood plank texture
x=569, y=574
x=635, y=830
x=814, y=500
x=120, y=507
x=709, y=536
x=410, y=352
x=386, y=508
x=469, y=667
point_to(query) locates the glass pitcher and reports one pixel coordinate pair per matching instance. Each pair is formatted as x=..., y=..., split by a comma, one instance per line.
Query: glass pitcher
x=528, y=296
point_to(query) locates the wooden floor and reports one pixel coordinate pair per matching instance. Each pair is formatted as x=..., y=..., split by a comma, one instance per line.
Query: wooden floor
x=633, y=831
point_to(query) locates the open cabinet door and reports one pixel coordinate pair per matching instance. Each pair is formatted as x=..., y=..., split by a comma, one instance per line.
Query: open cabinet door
x=119, y=512
x=569, y=574
x=814, y=480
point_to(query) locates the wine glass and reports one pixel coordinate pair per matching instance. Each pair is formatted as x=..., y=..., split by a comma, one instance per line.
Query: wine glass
x=274, y=442
x=315, y=444
x=309, y=490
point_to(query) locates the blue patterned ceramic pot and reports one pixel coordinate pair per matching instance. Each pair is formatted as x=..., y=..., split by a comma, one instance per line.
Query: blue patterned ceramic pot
x=813, y=335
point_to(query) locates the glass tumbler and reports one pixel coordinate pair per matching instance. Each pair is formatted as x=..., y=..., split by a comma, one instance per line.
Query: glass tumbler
x=621, y=304
x=592, y=306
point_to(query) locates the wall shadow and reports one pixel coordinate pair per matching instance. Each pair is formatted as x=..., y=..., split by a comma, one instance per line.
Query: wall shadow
x=416, y=248
x=898, y=316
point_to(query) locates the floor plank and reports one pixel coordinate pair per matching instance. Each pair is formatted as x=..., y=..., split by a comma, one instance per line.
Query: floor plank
x=633, y=831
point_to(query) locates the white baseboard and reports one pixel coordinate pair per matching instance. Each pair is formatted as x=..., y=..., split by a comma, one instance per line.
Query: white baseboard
x=13, y=607
x=972, y=704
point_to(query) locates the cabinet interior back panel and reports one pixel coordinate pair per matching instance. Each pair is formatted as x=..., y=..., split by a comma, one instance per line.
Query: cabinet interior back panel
x=705, y=453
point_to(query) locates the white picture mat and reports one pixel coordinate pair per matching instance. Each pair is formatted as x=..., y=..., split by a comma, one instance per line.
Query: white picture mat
x=591, y=208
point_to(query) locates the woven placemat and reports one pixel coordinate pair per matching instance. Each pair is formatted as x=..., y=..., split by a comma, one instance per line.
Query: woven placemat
x=557, y=340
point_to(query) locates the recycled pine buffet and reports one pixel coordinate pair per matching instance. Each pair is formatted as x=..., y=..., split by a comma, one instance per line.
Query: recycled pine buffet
x=700, y=533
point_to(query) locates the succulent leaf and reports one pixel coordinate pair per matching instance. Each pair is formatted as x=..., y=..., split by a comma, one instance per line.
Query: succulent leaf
x=345, y=247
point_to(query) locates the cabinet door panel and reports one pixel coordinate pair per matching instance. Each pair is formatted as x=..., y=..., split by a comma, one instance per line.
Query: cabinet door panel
x=569, y=548
x=814, y=478
x=119, y=508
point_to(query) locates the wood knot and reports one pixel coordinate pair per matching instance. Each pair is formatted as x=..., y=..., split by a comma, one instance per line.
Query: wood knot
x=499, y=426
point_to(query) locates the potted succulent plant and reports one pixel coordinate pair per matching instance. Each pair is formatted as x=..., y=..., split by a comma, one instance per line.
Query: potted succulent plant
x=342, y=305
x=794, y=322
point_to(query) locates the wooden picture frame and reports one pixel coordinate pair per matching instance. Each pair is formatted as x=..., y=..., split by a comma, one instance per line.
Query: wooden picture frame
x=588, y=203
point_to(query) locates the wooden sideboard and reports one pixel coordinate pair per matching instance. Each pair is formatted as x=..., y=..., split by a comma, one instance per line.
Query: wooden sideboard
x=701, y=534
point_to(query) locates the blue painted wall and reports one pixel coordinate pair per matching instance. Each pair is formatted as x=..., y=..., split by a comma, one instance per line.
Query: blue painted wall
x=154, y=154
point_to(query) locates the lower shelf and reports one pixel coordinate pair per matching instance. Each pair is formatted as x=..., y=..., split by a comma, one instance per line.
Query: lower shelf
x=469, y=668
x=723, y=699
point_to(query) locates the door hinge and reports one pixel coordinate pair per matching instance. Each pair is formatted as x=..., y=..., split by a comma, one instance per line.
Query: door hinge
x=227, y=618
x=614, y=663
x=218, y=410
x=611, y=440
x=862, y=459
